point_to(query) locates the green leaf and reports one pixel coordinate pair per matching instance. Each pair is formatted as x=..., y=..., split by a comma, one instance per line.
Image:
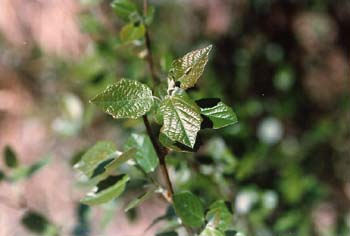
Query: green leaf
x=132, y=32
x=25, y=172
x=219, y=216
x=189, y=208
x=125, y=99
x=208, y=231
x=140, y=199
x=146, y=156
x=176, y=146
x=35, y=222
x=106, y=190
x=182, y=119
x=118, y=161
x=150, y=15
x=167, y=233
x=2, y=175
x=219, y=114
x=10, y=157
x=189, y=68
x=94, y=156
x=123, y=8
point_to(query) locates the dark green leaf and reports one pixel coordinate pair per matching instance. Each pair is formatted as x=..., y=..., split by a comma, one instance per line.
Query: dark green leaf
x=167, y=233
x=35, y=222
x=2, y=175
x=189, y=208
x=125, y=99
x=106, y=190
x=118, y=161
x=132, y=32
x=137, y=201
x=189, y=68
x=182, y=119
x=146, y=156
x=176, y=146
x=219, y=216
x=10, y=157
x=217, y=112
x=94, y=156
x=123, y=8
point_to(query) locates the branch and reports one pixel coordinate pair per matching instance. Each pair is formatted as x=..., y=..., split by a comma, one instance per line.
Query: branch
x=160, y=150
x=149, y=56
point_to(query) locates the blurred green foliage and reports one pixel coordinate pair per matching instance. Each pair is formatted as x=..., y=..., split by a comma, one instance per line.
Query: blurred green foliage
x=289, y=152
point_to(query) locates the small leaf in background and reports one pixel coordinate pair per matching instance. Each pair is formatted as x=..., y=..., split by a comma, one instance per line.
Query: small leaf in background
x=182, y=119
x=123, y=8
x=132, y=32
x=82, y=227
x=35, y=222
x=94, y=156
x=25, y=172
x=146, y=156
x=189, y=208
x=125, y=99
x=2, y=175
x=106, y=190
x=150, y=15
x=118, y=161
x=10, y=157
x=217, y=112
x=232, y=233
x=208, y=231
x=167, y=233
x=219, y=216
x=137, y=201
x=189, y=68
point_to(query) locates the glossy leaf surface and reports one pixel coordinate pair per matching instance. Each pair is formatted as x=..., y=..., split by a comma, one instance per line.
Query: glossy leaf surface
x=190, y=67
x=125, y=99
x=182, y=119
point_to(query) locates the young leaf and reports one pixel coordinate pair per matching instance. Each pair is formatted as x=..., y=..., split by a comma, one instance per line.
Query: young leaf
x=94, y=156
x=189, y=68
x=137, y=201
x=182, y=119
x=146, y=156
x=123, y=8
x=132, y=32
x=189, y=208
x=118, y=161
x=125, y=99
x=10, y=157
x=219, y=216
x=217, y=112
x=106, y=190
x=208, y=231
